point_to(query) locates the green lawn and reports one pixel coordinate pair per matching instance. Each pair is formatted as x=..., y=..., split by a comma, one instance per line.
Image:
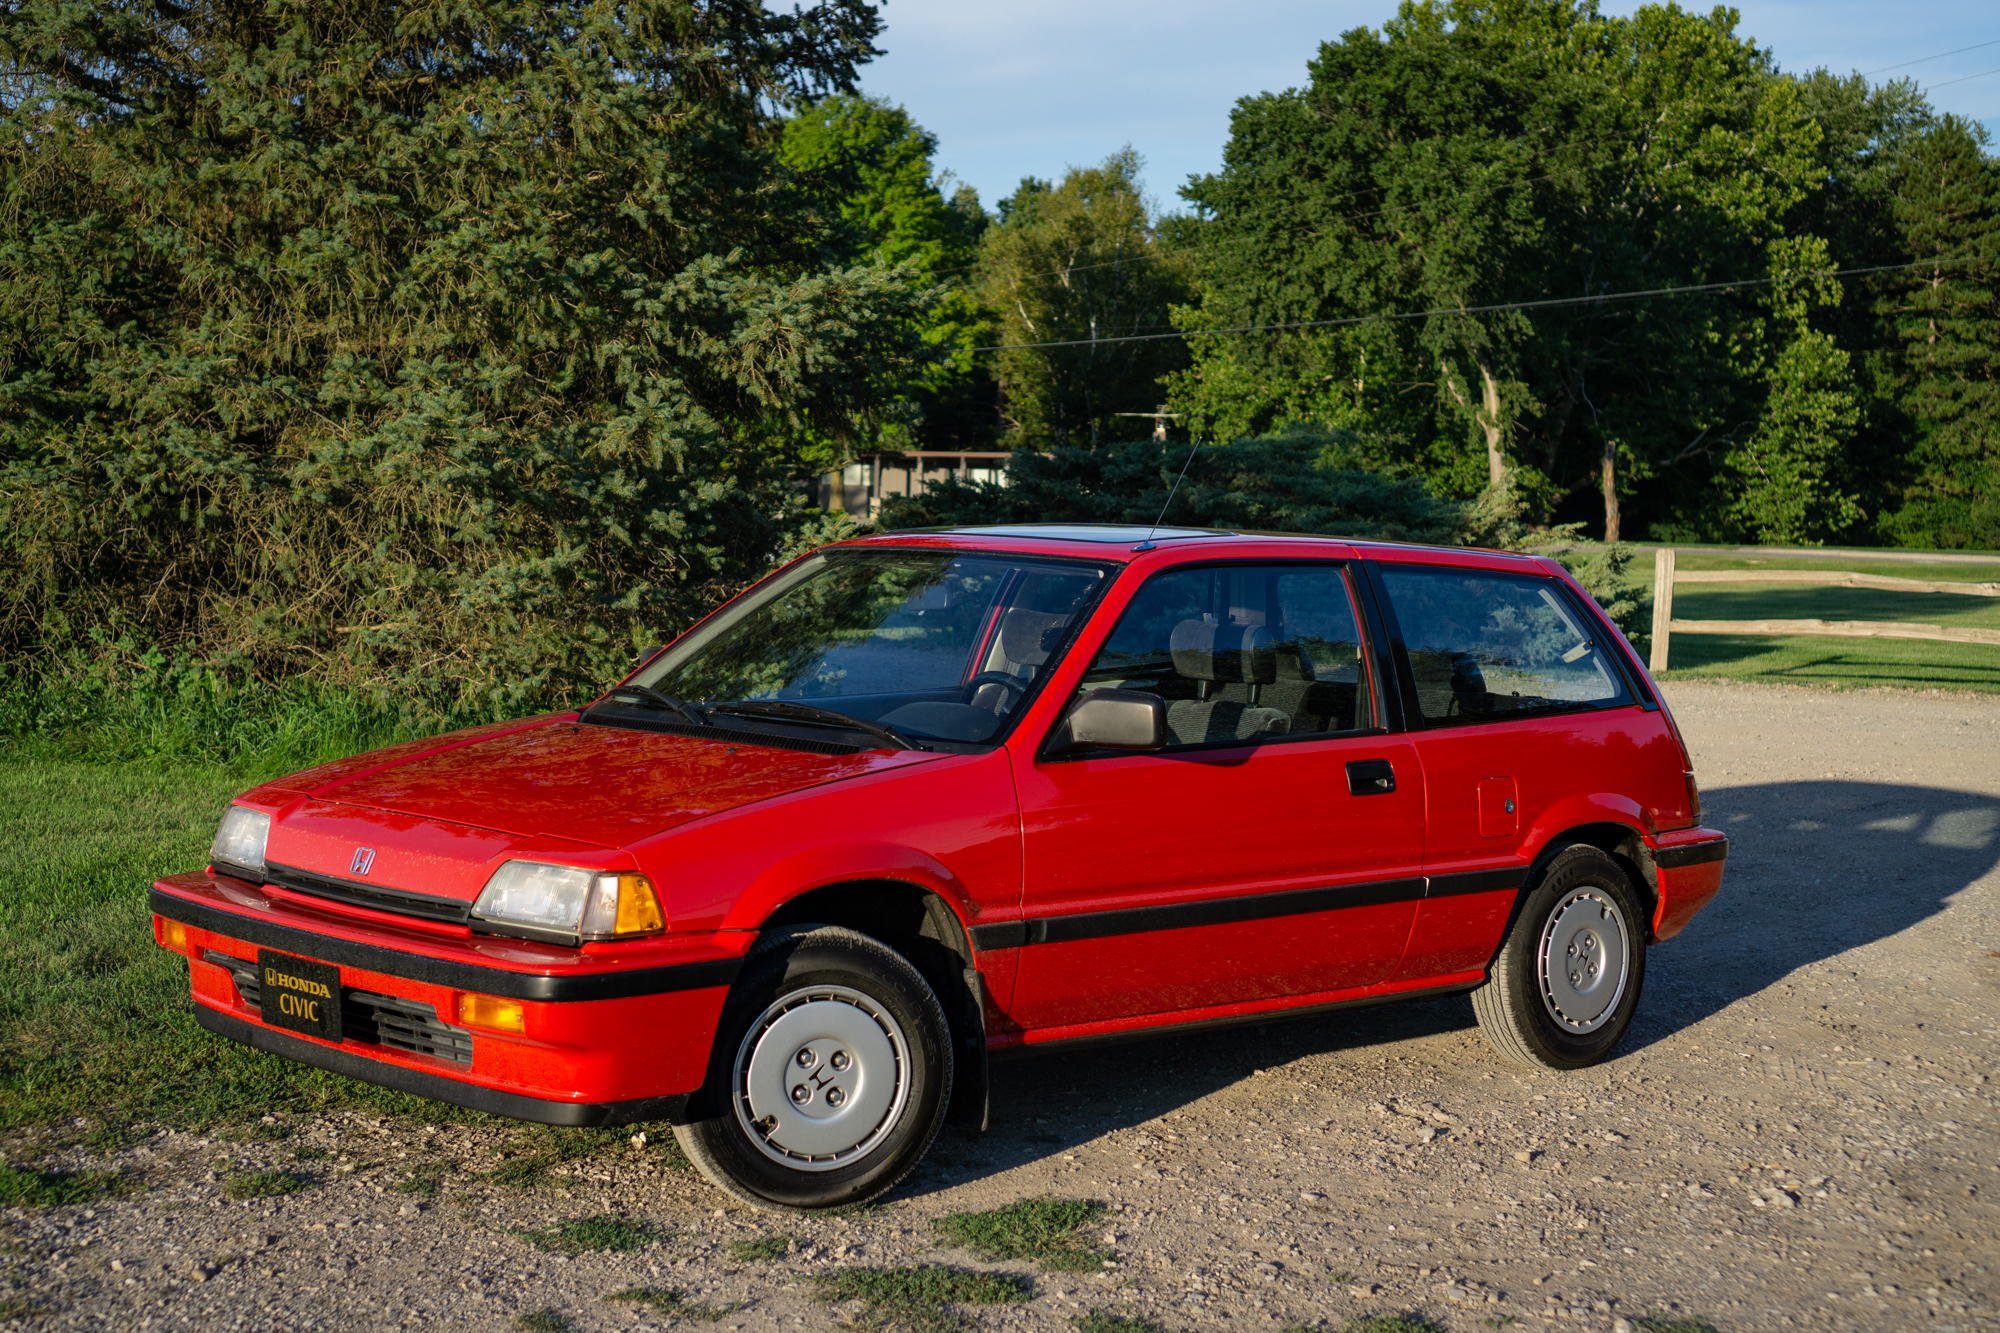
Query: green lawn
x=1812, y=660
x=94, y=1017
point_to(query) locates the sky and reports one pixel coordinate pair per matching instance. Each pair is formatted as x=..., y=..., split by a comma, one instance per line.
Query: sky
x=1015, y=88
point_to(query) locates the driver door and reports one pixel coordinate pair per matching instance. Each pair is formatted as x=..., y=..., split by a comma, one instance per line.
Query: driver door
x=1272, y=850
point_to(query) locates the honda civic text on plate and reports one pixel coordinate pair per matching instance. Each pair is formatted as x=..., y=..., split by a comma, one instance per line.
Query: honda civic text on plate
x=915, y=799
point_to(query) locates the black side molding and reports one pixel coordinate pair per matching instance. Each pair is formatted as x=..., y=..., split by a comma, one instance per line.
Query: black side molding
x=446, y=972
x=1699, y=853
x=437, y=1087
x=1477, y=881
x=1210, y=912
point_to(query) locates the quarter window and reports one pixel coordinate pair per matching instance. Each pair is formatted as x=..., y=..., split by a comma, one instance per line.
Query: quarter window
x=1486, y=646
x=1242, y=653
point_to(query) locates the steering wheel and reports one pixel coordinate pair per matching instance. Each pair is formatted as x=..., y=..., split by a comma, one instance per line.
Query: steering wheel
x=1000, y=678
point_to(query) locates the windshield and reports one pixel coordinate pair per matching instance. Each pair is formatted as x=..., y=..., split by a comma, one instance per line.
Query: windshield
x=928, y=644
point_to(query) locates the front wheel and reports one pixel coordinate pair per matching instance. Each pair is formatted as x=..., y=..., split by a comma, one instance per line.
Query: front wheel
x=1566, y=982
x=831, y=1075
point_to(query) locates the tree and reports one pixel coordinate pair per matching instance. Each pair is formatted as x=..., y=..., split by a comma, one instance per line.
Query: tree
x=1079, y=264
x=1787, y=474
x=1946, y=318
x=870, y=168
x=1471, y=156
x=431, y=348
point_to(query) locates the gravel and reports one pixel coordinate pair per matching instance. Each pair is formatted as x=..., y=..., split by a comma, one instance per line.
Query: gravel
x=1799, y=1132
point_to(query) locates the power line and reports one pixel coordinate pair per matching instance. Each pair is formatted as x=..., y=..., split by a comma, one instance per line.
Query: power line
x=1948, y=82
x=1501, y=307
x=1868, y=74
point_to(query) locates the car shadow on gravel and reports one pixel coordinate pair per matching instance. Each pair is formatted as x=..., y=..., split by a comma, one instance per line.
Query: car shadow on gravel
x=1815, y=869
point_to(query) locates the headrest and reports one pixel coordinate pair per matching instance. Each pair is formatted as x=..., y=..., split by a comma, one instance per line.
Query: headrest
x=1293, y=662
x=1204, y=650
x=1028, y=637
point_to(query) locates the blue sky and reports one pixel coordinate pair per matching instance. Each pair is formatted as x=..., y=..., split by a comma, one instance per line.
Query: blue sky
x=1027, y=87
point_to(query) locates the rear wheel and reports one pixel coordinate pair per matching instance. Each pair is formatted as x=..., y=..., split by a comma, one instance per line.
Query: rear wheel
x=1566, y=982
x=832, y=1071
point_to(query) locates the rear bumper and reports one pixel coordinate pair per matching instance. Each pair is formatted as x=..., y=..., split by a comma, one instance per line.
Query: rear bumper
x=1689, y=868
x=606, y=1039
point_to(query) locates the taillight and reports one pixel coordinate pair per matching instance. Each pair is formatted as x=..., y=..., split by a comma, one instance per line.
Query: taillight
x=1694, y=798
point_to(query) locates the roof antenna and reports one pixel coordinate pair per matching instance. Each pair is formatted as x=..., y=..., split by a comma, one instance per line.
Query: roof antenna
x=1147, y=544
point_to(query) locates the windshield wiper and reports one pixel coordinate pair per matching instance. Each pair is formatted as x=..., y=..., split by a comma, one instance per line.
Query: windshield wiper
x=812, y=715
x=647, y=695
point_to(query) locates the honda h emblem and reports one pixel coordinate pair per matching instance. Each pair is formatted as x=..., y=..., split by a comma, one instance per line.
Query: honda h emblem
x=364, y=860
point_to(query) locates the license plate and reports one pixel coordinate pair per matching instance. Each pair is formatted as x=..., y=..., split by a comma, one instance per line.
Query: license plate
x=299, y=994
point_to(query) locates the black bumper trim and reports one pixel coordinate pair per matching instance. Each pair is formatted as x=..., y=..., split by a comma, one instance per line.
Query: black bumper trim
x=1694, y=854
x=446, y=972
x=437, y=1087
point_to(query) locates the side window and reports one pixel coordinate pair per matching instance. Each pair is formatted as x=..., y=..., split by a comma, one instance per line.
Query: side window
x=1242, y=652
x=1486, y=646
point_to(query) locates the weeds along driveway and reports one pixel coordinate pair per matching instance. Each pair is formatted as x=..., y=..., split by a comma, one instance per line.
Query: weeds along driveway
x=1799, y=1133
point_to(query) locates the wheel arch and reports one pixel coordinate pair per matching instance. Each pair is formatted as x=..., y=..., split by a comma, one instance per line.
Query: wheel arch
x=1622, y=842
x=923, y=926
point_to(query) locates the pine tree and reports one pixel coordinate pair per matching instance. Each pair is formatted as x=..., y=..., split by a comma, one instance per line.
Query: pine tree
x=1947, y=320
x=439, y=347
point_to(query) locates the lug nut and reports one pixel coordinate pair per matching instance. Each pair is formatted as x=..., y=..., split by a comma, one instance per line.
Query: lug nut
x=807, y=1059
x=802, y=1094
x=834, y=1096
x=839, y=1060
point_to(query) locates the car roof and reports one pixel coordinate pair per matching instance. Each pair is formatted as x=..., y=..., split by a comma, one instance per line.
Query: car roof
x=1127, y=541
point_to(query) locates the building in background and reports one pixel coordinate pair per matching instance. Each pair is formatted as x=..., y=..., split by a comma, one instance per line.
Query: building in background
x=859, y=488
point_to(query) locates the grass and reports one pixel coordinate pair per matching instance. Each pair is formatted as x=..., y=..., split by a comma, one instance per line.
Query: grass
x=263, y=1184
x=23, y=1188
x=1104, y=1321
x=580, y=1235
x=1391, y=1323
x=1671, y=1323
x=922, y=1298
x=1046, y=1231
x=674, y=1304
x=761, y=1250
x=94, y=1017
x=1841, y=663
x=543, y=1321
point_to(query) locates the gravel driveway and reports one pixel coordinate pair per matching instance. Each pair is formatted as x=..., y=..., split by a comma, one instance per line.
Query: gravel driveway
x=1799, y=1132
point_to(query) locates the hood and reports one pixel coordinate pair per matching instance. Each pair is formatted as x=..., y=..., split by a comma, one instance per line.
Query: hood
x=606, y=786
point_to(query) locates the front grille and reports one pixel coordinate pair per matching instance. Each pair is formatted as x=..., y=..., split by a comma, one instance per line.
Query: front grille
x=378, y=1020
x=366, y=895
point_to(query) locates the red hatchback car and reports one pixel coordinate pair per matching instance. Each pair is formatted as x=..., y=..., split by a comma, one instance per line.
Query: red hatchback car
x=917, y=798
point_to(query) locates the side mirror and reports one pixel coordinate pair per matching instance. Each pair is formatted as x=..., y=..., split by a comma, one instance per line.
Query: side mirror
x=1113, y=720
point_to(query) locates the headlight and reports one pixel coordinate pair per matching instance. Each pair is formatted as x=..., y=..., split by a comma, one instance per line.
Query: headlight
x=566, y=901
x=239, y=843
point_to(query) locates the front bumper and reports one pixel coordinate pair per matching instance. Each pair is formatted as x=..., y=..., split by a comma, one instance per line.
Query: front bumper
x=1688, y=866
x=609, y=1036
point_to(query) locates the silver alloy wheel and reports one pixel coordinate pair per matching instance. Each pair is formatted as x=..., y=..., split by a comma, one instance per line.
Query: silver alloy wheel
x=1584, y=959
x=821, y=1078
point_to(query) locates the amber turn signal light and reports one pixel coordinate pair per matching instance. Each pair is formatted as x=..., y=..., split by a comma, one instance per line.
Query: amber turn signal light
x=173, y=935
x=621, y=904
x=1694, y=798
x=490, y=1011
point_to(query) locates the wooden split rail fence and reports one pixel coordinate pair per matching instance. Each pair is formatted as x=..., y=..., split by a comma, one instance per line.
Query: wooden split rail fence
x=1665, y=626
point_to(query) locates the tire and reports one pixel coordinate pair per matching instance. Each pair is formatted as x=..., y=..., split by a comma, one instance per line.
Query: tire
x=1584, y=917
x=830, y=1077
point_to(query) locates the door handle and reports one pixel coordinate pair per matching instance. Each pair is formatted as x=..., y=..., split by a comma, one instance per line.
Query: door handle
x=1370, y=777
